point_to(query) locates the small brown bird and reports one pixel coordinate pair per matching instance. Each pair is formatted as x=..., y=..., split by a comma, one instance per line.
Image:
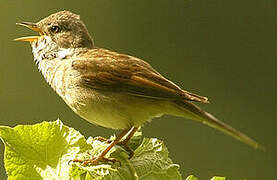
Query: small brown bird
x=106, y=88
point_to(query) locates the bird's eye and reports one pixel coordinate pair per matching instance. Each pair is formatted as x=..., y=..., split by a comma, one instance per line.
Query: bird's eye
x=55, y=29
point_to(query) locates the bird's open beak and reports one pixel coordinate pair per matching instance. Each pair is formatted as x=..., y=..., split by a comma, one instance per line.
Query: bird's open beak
x=32, y=26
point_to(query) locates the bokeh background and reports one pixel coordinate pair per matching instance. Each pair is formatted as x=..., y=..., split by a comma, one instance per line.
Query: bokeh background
x=225, y=50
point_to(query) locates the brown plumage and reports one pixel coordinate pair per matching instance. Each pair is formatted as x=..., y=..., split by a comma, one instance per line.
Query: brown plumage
x=107, y=70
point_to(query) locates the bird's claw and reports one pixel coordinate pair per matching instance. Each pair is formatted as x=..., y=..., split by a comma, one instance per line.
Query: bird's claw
x=95, y=161
x=102, y=139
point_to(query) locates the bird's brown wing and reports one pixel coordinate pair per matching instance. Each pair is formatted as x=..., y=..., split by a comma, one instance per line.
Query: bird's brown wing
x=111, y=71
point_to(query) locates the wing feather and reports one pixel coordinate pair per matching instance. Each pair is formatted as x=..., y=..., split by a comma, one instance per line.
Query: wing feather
x=111, y=71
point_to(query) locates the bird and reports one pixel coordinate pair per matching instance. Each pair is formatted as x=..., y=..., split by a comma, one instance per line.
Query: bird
x=107, y=88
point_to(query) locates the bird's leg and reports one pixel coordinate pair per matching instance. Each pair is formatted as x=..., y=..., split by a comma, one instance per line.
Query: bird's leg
x=101, y=157
x=102, y=139
x=124, y=143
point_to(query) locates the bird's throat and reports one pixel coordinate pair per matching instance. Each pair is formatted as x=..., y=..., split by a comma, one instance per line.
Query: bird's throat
x=49, y=59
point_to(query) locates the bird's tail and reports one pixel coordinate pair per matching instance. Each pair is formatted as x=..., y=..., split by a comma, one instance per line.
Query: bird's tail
x=196, y=113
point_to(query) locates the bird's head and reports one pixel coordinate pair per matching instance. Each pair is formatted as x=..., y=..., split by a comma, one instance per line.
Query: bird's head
x=64, y=29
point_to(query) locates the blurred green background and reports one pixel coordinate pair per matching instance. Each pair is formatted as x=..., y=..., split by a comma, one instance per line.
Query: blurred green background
x=225, y=50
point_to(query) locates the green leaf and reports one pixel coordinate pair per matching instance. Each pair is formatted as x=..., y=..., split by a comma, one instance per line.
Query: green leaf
x=191, y=177
x=45, y=151
x=218, y=178
x=41, y=151
x=150, y=161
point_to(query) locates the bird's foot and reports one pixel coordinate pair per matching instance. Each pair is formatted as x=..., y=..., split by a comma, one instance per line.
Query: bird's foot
x=95, y=161
x=102, y=139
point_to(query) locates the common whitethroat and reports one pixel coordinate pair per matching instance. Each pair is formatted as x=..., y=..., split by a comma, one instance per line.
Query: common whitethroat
x=107, y=88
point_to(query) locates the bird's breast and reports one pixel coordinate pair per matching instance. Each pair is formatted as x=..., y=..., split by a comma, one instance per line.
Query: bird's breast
x=54, y=72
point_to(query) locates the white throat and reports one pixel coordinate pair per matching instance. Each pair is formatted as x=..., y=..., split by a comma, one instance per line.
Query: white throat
x=46, y=49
